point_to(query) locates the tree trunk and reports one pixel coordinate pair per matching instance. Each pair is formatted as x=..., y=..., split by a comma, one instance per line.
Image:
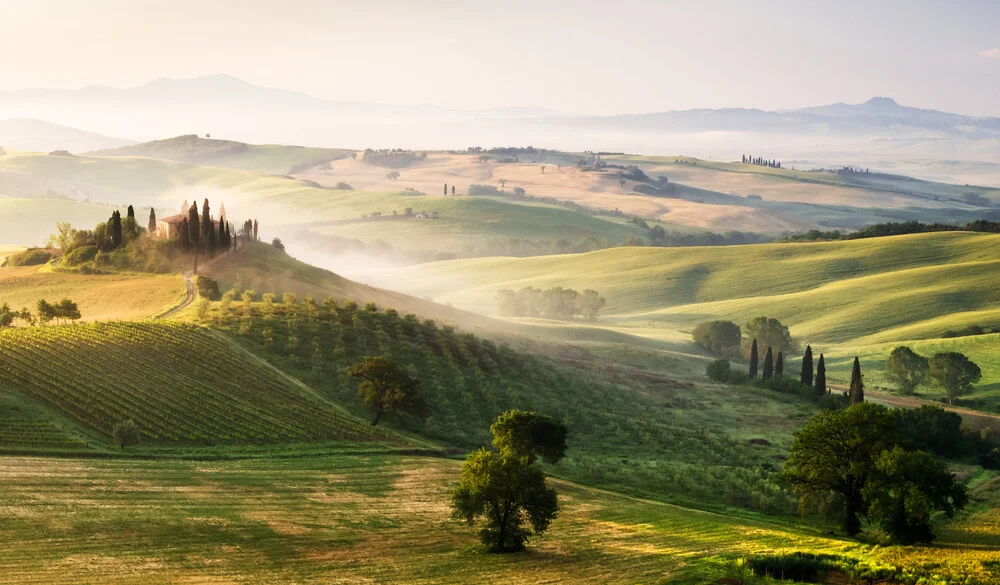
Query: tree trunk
x=378, y=416
x=852, y=525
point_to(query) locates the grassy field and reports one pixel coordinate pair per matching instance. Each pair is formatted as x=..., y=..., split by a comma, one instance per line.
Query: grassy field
x=99, y=297
x=30, y=221
x=845, y=298
x=384, y=519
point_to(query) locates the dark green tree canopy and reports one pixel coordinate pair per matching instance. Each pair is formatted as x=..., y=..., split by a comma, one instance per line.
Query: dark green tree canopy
x=857, y=389
x=906, y=369
x=954, y=372
x=753, y=359
x=833, y=457
x=906, y=488
x=719, y=337
x=768, y=372
x=821, y=376
x=387, y=388
x=505, y=487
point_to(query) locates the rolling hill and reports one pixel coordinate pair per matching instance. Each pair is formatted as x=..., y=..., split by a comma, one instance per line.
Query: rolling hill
x=842, y=297
x=37, y=135
x=268, y=159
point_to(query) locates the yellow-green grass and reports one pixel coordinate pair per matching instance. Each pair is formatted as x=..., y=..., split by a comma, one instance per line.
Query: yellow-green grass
x=99, y=297
x=641, y=280
x=846, y=298
x=265, y=269
x=381, y=519
x=260, y=158
x=179, y=383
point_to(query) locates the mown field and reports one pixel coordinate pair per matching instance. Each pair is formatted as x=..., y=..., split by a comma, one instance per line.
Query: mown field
x=384, y=519
x=99, y=297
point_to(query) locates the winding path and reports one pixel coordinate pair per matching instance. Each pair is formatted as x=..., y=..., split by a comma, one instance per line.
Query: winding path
x=190, y=291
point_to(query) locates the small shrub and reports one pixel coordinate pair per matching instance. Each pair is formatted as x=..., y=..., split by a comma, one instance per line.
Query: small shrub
x=80, y=255
x=719, y=370
x=33, y=257
x=207, y=288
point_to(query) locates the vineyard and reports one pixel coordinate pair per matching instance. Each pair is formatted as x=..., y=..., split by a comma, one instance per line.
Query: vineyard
x=643, y=433
x=179, y=383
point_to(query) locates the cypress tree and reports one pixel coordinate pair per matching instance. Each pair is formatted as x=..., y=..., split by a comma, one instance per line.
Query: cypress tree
x=446, y=189
x=221, y=240
x=256, y=236
x=185, y=235
x=857, y=391
x=131, y=212
x=821, y=376
x=116, y=229
x=779, y=364
x=206, y=220
x=807, y=367
x=768, y=365
x=194, y=225
x=753, y=360
x=152, y=220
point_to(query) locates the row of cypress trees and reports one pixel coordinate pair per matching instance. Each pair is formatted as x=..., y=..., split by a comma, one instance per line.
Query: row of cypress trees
x=776, y=367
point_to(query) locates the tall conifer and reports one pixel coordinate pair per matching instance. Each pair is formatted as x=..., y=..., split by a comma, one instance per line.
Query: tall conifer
x=768, y=365
x=152, y=220
x=779, y=364
x=821, y=376
x=807, y=367
x=753, y=359
x=857, y=391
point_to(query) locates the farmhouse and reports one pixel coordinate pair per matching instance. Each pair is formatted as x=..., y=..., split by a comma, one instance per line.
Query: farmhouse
x=169, y=227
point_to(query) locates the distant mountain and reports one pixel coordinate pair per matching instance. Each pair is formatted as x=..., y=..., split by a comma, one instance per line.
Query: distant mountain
x=878, y=115
x=31, y=134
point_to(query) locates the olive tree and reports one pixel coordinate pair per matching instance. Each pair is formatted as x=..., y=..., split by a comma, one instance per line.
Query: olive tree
x=386, y=387
x=954, y=372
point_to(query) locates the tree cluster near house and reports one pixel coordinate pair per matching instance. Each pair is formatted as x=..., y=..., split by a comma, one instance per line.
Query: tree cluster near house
x=554, y=303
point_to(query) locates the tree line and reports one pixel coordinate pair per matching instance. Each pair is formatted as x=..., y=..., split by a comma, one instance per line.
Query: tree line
x=761, y=161
x=553, y=303
x=882, y=230
x=63, y=311
x=953, y=371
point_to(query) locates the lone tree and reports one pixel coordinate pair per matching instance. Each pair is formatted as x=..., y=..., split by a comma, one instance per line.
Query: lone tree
x=906, y=369
x=753, y=360
x=857, y=389
x=821, y=376
x=954, y=372
x=806, y=377
x=446, y=189
x=779, y=364
x=125, y=433
x=505, y=487
x=386, y=387
x=833, y=457
x=768, y=365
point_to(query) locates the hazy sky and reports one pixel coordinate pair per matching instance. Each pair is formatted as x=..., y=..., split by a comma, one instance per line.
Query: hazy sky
x=581, y=56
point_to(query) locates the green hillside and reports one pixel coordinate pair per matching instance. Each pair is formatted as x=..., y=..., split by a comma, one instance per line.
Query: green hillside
x=272, y=159
x=846, y=298
x=179, y=383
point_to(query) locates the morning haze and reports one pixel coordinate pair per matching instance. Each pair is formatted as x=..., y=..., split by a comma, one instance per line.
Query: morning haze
x=467, y=292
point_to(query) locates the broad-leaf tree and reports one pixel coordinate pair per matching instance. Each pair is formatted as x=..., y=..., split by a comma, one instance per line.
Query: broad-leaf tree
x=386, y=387
x=906, y=488
x=833, y=457
x=720, y=337
x=906, y=369
x=125, y=433
x=504, y=487
x=954, y=372
x=769, y=333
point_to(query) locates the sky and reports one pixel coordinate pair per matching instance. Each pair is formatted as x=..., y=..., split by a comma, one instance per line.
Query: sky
x=580, y=56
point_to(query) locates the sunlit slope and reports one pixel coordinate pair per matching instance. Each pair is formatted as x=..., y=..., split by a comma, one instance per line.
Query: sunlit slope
x=264, y=269
x=644, y=280
x=180, y=383
x=99, y=297
x=326, y=518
